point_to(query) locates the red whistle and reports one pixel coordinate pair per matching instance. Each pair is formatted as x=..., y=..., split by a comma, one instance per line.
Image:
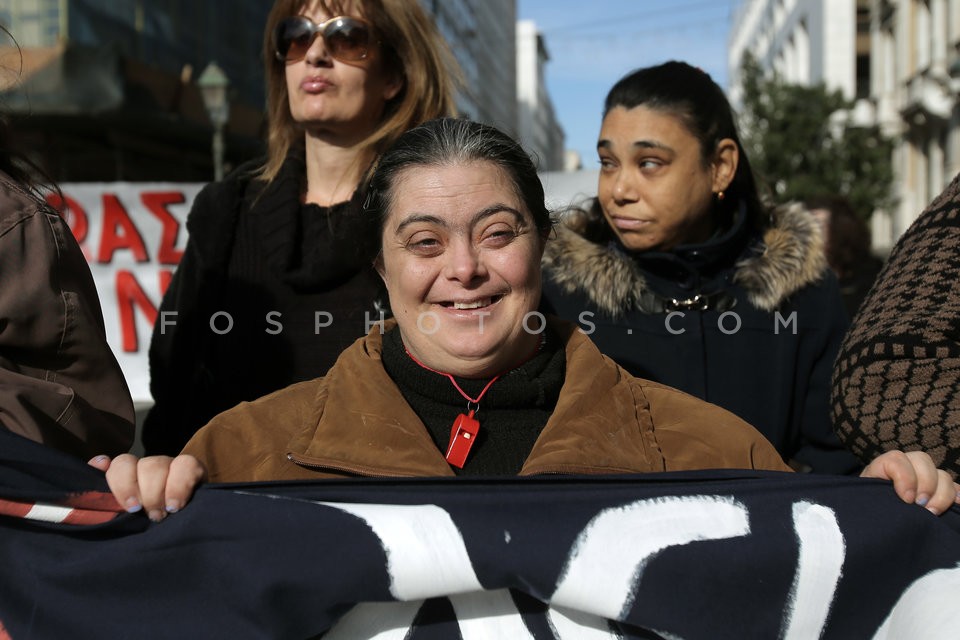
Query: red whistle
x=462, y=435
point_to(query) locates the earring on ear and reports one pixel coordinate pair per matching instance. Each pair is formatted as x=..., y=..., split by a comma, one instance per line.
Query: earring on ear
x=719, y=195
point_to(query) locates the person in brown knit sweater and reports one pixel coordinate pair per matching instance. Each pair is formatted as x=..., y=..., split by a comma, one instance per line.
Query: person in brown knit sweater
x=896, y=379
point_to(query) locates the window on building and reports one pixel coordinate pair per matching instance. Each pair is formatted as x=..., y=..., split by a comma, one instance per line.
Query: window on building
x=802, y=53
x=922, y=34
x=889, y=58
x=863, y=76
x=863, y=49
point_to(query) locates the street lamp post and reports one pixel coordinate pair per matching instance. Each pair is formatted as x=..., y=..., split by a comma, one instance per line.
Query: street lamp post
x=213, y=85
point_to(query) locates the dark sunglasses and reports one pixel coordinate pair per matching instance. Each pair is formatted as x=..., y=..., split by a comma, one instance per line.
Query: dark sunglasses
x=346, y=39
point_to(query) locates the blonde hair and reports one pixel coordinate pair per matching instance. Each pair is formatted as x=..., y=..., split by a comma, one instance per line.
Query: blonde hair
x=410, y=46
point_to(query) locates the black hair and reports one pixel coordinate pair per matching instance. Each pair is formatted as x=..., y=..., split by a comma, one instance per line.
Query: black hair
x=448, y=141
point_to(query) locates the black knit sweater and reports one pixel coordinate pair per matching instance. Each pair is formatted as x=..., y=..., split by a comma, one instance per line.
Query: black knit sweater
x=512, y=413
x=292, y=264
x=271, y=262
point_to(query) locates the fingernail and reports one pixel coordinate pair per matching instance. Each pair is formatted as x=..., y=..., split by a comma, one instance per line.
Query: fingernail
x=133, y=505
x=156, y=515
x=100, y=459
x=173, y=507
x=922, y=500
x=933, y=511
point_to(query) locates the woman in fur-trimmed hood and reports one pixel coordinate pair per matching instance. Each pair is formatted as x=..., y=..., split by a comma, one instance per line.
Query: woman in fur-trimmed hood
x=680, y=274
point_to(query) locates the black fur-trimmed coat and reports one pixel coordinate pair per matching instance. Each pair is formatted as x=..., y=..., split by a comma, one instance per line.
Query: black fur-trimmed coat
x=749, y=320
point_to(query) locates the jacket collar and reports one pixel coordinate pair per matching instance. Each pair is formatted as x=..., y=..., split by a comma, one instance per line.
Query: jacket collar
x=786, y=257
x=364, y=426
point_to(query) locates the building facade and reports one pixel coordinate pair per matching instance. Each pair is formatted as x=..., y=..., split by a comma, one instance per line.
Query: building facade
x=481, y=35
x=805, y=41
x=538, y=128
x=915, y=45
x=894, y=57
x=108, y=89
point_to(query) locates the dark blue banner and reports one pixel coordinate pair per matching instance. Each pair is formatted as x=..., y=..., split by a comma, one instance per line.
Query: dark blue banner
x=693, y=555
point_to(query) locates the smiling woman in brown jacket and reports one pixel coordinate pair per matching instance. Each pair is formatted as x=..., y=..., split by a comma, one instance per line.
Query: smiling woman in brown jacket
x=355, y=422
x=470, y=379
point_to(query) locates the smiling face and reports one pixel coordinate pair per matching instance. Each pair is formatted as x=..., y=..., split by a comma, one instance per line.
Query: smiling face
x=338, y=98
x=461, y=262
x=655, y=190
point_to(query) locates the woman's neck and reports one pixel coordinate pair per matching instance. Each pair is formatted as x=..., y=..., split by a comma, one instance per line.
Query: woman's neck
x=412, y=376
x=481, y=370
x=333, y=170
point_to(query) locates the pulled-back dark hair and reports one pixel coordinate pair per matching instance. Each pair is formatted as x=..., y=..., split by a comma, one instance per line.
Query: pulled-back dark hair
x=689, y=94
x=455, y=141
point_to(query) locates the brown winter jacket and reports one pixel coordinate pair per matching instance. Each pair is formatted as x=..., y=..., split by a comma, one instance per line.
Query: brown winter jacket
x=354, y=421
x=59, y=382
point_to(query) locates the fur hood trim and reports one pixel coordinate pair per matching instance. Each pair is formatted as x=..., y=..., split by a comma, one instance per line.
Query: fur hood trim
x=789, y=257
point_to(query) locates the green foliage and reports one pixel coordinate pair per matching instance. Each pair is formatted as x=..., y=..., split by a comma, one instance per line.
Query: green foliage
x=801, y=143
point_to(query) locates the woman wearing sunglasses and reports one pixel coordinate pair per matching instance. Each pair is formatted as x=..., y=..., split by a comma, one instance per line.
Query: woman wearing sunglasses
x=276, y=279
x=679, y=273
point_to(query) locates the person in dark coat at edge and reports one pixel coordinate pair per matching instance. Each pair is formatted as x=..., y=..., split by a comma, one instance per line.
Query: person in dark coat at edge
x=276, y=279
x=60, y=383
x=679, y=273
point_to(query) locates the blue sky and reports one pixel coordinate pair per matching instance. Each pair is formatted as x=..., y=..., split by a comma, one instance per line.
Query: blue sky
x=591, y=47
